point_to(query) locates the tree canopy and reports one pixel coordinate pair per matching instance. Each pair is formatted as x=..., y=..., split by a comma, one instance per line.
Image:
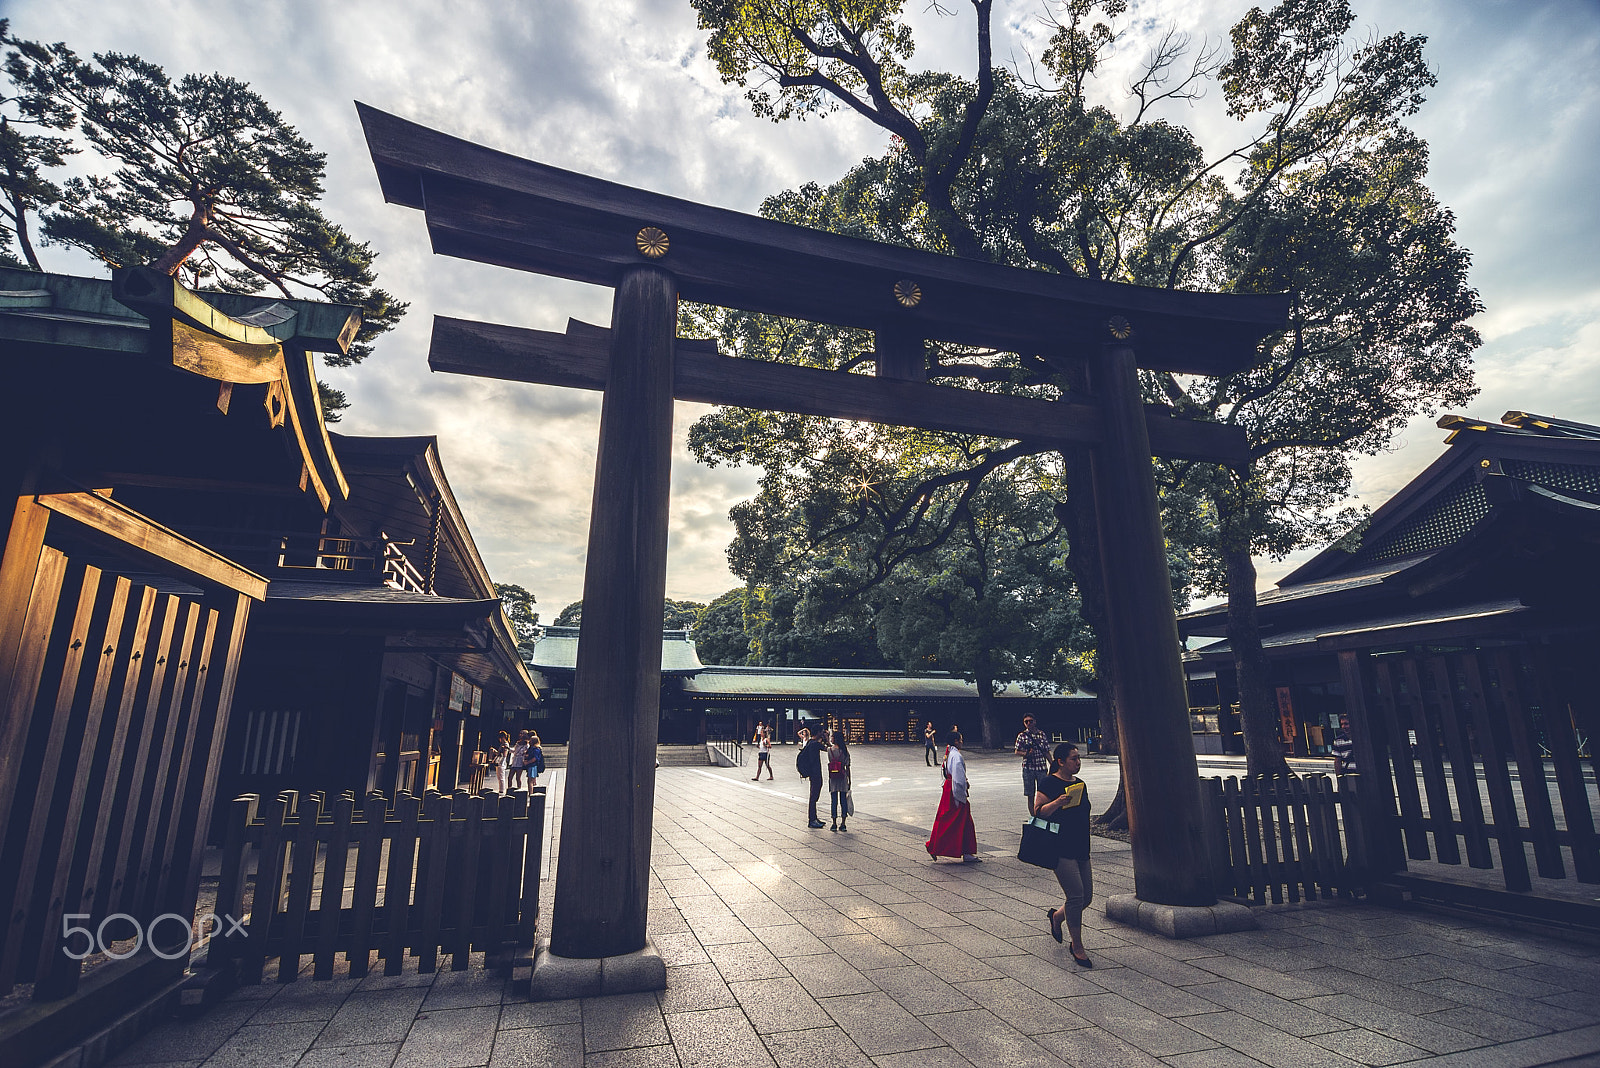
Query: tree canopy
x=1323, y=195
x=207, y=183
x=518, y=604
x=675, y=615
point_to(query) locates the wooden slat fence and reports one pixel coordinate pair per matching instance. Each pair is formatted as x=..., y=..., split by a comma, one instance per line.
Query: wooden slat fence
x=1277, y=838
x=1501, y=722
x=439, y=874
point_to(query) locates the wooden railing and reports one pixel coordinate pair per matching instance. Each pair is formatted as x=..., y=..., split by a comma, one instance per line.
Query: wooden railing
x=431, y=875
x=1277, y=837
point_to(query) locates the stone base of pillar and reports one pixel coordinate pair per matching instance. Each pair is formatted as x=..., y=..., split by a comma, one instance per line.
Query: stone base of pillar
x=557, y=978
x=1180, y=921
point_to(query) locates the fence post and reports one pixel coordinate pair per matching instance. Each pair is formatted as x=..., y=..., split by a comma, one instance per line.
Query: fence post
x=1215, y=827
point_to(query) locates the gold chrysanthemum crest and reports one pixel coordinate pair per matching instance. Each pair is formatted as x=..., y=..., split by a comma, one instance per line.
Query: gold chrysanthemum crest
x=652, y=241
x=1120, y=328
x=908, y=293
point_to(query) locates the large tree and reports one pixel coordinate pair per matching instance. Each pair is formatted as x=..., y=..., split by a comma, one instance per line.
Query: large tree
x=518, y=604
x=31, y=121
x=209, y=184
x=1323, y=195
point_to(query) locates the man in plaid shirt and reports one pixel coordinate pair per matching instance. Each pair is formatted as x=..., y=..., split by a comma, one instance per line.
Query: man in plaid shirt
x=1034, y=749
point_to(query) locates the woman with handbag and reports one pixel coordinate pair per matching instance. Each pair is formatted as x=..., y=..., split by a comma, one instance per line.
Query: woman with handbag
x=1063, y=798
x=839, y=779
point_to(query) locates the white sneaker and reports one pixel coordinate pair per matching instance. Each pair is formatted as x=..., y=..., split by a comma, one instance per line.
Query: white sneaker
x=971, y=858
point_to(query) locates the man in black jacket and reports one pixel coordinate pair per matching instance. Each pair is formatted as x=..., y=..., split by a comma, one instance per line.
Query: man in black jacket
x=808, y=762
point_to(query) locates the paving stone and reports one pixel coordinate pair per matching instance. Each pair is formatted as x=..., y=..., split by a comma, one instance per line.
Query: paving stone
x=1290, y=1017
x=898, y=931
x=1493, y=1026
x=943, y=1057
x=1157, y=966
x=188, y=1039
x=877, y=1024
x=778, y=1005
x=980, y=944
x=1367, y=1047
x=382, y=1016
x=378, y=1055
x=691, y=987
x=519, y=1014
x=1264, y=1043
x=866, y=952
x=1266, y=980
x=1137, y=1025
x=638, y=1057
x=1153, y=994
x=824, y=1047
x=717, y=1037
x=919, y=991
x=762, y=913
x=1413, y=999
x=558, y=1046
x=676, y=949
x=984, y=1038
x=1586, y=1002
x=376, y=980
x=304, y=1001
x=1024, y=1008
x=827, y=924
x=1430, y=1036
x=745, y=961
x=265, y=1046
x=855, y=906
x=924, y=915
x=1536, y=1012
x=996, y=923
x=952, y=964
x=452, y=1038
x=1090, y=1047
x=718, y=930
x=621, y=1021
x=460, y=990
x=828, y=974
x=791, y=940
x=1218, y=1058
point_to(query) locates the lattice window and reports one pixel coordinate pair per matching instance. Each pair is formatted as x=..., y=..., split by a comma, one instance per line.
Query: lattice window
x=1455, y=512
x=1582, y=478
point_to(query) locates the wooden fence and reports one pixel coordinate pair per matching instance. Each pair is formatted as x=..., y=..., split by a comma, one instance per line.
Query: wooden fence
x=431, y=875
x=1277, y=837
x=1500, y=721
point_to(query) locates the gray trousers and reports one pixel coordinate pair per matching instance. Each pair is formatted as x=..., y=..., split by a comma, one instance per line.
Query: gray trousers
x=1077, y=882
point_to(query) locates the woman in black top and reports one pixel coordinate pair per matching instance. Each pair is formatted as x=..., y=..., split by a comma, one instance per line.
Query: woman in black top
x=1063, y=798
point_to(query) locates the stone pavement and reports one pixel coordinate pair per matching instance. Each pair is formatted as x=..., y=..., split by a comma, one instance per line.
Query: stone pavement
x=809, y=949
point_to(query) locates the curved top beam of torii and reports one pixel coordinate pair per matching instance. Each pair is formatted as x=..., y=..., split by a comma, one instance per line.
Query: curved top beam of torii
x=494, y=207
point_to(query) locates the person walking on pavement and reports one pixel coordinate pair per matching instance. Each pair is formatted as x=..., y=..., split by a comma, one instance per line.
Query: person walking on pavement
x=839, y=780
x=1063, y=798
x=930, y=745
x=1034, y=749
x=763, y=752
x=808, y=762
x=953, y=832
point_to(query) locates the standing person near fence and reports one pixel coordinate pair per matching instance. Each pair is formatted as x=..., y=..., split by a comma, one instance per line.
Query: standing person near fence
x=533, y=759
x=953, y=832
x=839, y=780
x=1063, y=798
x=502, y=763
x=519, y=757
x=1344, y=749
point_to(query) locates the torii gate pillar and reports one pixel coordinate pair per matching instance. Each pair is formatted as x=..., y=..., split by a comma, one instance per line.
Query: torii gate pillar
x=603, y=871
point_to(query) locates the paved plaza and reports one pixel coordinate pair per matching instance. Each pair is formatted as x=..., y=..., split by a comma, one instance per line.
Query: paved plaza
x=812, y=949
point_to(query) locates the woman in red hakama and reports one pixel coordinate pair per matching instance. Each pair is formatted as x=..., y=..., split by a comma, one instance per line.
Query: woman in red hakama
x=953, y=833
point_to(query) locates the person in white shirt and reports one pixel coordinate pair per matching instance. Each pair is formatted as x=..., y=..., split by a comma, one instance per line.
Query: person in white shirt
x=953, y=832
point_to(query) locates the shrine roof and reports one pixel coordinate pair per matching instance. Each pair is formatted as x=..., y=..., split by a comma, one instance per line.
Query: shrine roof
x=557, y=650
x=494, y=207
x=820, y=684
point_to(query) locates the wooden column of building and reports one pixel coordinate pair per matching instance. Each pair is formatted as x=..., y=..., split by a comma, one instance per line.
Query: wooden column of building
x=602, y=877
x=1160, y=775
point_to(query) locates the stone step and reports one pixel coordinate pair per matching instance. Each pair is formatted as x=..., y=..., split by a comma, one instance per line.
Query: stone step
x=682, y=756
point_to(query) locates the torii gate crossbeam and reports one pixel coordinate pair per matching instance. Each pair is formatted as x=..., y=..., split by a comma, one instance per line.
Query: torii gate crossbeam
x=653, y=250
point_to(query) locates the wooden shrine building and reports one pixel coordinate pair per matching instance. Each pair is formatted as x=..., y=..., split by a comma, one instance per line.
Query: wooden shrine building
x=654, y=250
x=1458, y=630
x=704, y=702
x=186, y=559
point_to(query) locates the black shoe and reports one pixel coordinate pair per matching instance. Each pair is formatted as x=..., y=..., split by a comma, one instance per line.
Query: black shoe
x=816, y=823
x=1083, y=961
x=1055, y=924
x=833, y=827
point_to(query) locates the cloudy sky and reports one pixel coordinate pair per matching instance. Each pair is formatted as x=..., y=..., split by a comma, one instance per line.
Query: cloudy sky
x=621, y=89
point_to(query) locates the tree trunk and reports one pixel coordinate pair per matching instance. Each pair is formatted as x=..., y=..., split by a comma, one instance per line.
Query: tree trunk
x=988, y=714
x=1257, y=710
x=20, y=211
x=194, y=236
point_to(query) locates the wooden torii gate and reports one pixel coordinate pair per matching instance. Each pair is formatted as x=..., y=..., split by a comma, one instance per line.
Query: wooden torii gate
x=653, y=250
